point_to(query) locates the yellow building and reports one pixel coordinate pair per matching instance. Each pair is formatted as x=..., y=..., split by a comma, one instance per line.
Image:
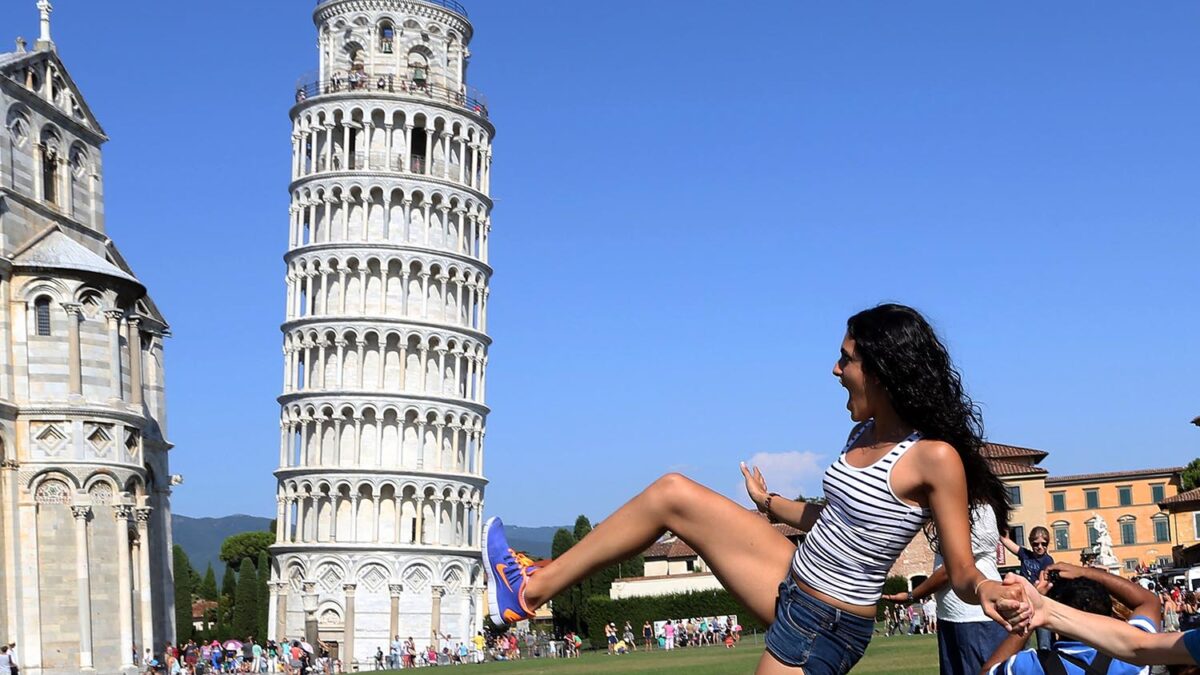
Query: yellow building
x=1148, y=519
x=1128, y=503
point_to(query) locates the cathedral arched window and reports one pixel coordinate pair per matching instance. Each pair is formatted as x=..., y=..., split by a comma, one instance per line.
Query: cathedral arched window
x=50, y=156
x=41, y=311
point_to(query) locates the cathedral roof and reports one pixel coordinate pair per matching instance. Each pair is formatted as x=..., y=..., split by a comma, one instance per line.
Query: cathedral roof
x=72, y=105
x=54, y=250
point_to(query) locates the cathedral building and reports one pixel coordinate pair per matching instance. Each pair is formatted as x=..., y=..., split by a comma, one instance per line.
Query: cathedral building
x=85, y=549
x=380, y=479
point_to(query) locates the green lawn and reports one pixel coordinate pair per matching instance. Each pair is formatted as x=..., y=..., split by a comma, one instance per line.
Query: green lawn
x=897, y=655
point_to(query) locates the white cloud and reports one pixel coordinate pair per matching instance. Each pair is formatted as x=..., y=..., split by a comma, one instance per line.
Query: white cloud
x=790, y=473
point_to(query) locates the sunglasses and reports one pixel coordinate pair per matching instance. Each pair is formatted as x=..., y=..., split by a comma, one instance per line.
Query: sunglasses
x=1039, y=543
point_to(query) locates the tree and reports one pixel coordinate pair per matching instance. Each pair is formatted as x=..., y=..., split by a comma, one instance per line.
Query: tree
x=264, y=594
x=245, y=601
x=208, y=587
x=245, y=546
x=565, y=604
x=228, y=582
x=1190, y=479
x=183, y=574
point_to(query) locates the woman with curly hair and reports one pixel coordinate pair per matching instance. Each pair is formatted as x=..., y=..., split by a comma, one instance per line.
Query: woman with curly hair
x=912, y=461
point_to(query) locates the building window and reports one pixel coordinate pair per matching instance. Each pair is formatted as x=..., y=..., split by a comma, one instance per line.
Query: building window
x=1017, y=534
x=50, y=174
x=41, y=308
x=1092, y=498
x=1125, y=495
x=1014, y=494
x=1058, y=501
x=1130, y=564
x=1165, y=561
x=1162, y=528
x=1128, y=530
x=1196, y=525
x=691, y=565
x=1157, y=492
x=1062, y=536
x=1093, y=533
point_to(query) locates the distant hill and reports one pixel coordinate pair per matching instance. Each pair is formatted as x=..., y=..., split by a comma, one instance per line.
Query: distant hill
x=201, y=537
x=535, y=541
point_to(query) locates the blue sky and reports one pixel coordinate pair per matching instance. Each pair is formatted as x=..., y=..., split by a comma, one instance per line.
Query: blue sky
x=691, y=197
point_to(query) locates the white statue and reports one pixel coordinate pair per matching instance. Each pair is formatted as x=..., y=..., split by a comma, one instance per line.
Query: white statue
x=1104, y=543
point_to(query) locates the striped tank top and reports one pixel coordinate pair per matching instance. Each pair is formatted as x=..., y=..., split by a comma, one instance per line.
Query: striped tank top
x=862, y=529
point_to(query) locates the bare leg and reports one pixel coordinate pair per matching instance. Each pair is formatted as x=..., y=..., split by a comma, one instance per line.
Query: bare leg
x=748, y=555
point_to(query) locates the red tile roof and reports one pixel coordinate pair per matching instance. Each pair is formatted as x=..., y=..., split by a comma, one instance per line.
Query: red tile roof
x=1114, y=475
x=1182, y=498
x=1002, y=451
x=1005, y=468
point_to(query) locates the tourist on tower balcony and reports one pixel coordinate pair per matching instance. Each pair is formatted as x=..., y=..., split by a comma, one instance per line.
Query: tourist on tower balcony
x=911, y=461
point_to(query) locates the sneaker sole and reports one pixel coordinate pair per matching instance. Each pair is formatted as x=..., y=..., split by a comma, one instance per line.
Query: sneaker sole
x=494, y=611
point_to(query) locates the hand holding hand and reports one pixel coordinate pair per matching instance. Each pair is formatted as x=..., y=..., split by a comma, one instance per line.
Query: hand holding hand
x=756, y=485
x=1004, y=604
x=1027, y=614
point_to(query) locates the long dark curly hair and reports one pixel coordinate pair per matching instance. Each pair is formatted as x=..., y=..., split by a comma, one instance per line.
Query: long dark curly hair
x=899, y=347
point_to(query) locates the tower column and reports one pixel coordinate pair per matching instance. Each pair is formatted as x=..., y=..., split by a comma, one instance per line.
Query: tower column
x=134, y=339
x=83, y=586
x=114, y=351
x=74, y=369
x=394, y=591
x=348, y=660
x=142, y=514
x=121, y=513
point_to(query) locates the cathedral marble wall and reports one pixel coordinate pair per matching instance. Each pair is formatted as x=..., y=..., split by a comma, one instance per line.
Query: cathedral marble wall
x=85, y=565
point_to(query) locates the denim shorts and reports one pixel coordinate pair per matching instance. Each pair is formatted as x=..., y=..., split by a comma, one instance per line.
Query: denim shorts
x=811, y=633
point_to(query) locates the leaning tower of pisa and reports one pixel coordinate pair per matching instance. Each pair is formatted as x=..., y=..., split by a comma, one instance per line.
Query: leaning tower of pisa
x=380, y=479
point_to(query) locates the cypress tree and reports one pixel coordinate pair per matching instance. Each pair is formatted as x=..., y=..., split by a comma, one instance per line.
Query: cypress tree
x=245, y=603
x=566, y=611
x=208, y=587
x=183, y=574
x=583, y=590
x=264, y=595
x=229, y=581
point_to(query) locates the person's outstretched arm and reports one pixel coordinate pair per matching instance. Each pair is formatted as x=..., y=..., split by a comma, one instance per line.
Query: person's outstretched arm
x=1141, y=601
x=1108, y=635
x=936, y=582
x=1012, y=644
x=1012, y=546
x=798, y=514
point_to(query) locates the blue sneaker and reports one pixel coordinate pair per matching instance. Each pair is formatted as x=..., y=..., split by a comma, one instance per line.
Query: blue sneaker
x=507, y=572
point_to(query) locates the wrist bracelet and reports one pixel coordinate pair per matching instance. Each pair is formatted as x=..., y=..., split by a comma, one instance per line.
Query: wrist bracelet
x=767, y=507
x=985, y=580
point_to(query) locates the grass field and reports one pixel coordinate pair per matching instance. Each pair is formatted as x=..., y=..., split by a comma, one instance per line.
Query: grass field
x=898, y=655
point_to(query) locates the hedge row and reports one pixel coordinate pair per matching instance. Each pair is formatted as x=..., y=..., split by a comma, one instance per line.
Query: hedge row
x=599, y=611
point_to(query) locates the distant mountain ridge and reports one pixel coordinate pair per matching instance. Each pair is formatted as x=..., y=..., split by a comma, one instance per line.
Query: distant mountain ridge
x=201, y=537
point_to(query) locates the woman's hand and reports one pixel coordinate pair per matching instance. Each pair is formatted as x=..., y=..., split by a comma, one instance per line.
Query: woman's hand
x=897, y=597
x=1024, y=615
x=756, y=486
x=1005, y=604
